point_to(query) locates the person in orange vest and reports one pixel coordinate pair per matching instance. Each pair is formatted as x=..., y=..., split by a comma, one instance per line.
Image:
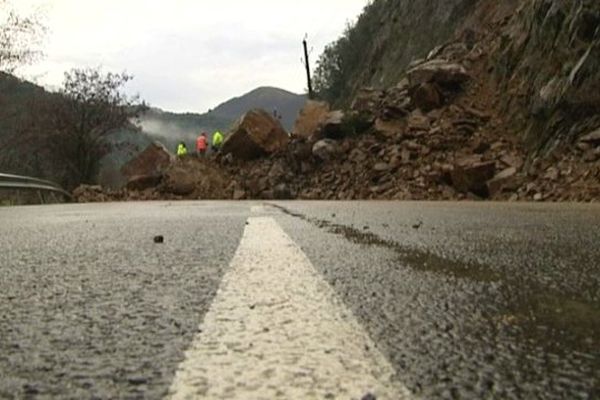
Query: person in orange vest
x=202, y=144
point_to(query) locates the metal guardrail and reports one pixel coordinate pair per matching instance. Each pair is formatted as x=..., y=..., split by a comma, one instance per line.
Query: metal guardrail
x=17, y=182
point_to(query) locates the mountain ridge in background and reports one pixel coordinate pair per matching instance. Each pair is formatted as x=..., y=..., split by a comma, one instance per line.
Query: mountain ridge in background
x=285, y=103
x=18, y=97
x=170, y=128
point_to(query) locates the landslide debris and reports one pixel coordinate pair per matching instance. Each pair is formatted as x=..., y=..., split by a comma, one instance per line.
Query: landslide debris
x=187, y=178
x=256, y=134
x=506, y=109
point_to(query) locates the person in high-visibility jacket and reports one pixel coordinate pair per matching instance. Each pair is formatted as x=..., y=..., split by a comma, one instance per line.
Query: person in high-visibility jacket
x=217, y=141
x=202, y=144
x=181, y=149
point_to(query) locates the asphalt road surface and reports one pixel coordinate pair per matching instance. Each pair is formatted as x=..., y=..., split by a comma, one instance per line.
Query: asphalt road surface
x=294, y=300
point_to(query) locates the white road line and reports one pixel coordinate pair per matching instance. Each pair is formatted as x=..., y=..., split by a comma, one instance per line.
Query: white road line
x=276, y=330
x=257, y=209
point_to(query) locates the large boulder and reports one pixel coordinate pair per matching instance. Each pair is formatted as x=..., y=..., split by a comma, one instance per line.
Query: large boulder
x=311, y=118
x=326, y=150
x=437, y=71
x=152, y=161
x=472, y=175
x=255, y=135
x=333, y=126
x=505, y=180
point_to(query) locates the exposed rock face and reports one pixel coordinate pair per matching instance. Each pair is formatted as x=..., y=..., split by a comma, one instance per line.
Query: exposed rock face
x=255, y=135
x=591, y=139
x=555, y=104
x=405, y=30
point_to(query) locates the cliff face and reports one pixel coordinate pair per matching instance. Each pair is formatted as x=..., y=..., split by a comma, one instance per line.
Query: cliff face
x=390, y=34
x=534, y=62
x=547, y=60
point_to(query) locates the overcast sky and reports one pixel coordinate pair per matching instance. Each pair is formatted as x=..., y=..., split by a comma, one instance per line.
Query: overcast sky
x=189, y=55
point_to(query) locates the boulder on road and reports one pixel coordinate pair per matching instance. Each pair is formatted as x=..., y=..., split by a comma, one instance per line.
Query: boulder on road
x=255, y=135
x=472, y=175
x=503, y=180
x=151, y=162
x=311, y=118
x=180, y=181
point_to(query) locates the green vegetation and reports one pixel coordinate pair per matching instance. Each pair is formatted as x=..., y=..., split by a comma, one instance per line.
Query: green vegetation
x=342, y=60
x=19, y=37
x=62, y=136
x=91, y=107
x=386, y=38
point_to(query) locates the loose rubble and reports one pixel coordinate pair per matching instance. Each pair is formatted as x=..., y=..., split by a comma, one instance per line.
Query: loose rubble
x=438, y=134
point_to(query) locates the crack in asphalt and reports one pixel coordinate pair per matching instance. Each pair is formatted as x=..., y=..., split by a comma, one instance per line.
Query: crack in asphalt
x=418, y=259
x=528, y=304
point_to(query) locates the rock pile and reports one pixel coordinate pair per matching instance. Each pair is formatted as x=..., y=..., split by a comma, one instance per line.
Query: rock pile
x=439, y=134
x=428, y=138
x=187, y=178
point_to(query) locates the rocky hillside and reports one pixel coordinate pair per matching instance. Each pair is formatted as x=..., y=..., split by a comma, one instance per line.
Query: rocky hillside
x=537, y=61
x=387, y=37
x=544, y=62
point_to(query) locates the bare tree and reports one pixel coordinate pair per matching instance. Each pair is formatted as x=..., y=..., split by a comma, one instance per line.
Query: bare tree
x=92, y=106
x=20, y=37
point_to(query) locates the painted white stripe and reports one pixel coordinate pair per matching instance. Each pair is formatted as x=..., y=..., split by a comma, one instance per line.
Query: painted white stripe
x=276, y=330
x=257, y=209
